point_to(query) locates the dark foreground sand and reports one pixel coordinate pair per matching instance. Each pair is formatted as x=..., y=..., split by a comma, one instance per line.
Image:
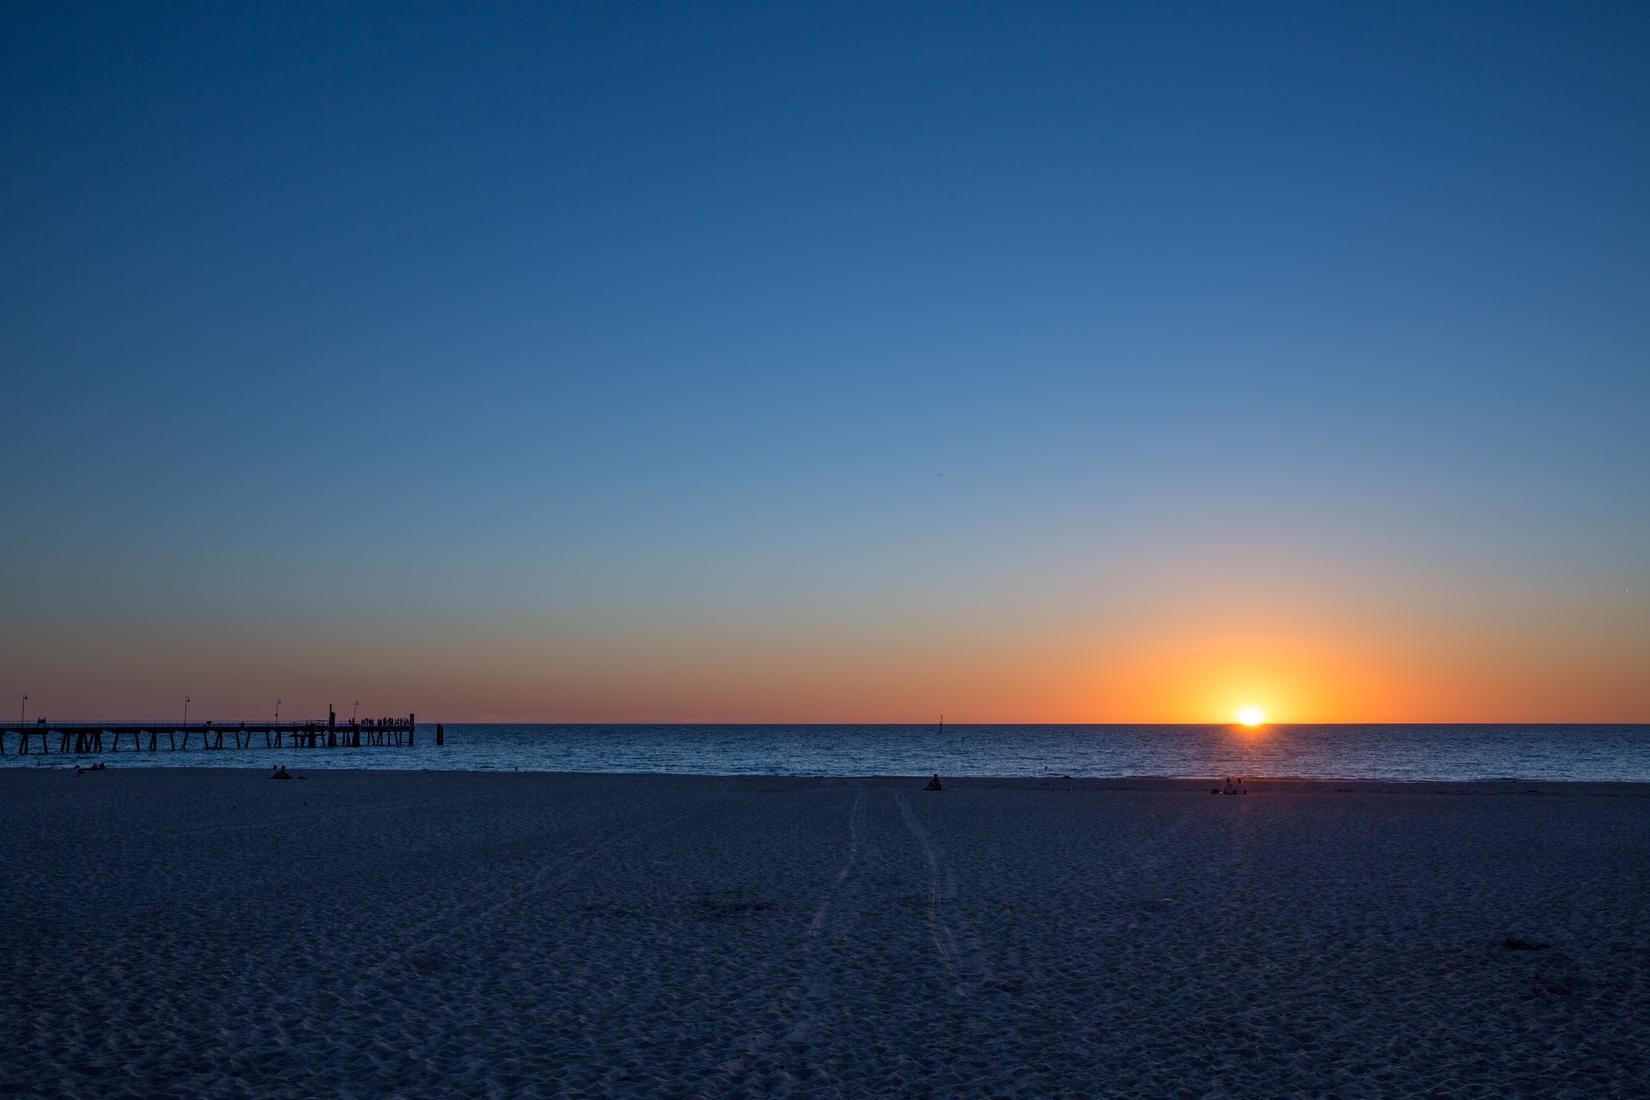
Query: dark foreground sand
x=214, y=933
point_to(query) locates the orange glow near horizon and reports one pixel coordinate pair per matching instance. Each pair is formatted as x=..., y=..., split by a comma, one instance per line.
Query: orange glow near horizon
x=1251, y=716
x=1181, y=661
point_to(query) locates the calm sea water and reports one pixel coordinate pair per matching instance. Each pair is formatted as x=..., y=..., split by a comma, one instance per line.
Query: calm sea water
x=1318, y=752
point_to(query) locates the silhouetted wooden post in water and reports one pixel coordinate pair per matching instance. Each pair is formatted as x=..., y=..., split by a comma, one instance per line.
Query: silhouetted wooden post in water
x=412, y=728
x=40, y=730
x=440, y=735
x=332, y=728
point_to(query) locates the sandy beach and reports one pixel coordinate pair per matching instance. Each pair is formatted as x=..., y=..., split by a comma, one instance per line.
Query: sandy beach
x=196, y=932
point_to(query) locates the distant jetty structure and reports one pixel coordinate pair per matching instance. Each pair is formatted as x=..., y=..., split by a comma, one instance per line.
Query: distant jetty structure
x=328, y=733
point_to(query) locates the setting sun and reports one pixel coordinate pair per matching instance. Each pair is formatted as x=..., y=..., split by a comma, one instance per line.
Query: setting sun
x=1251, y=716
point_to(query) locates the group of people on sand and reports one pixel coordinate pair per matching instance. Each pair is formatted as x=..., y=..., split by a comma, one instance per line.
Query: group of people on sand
x=91, y=768
x=281, y=772
x=1232, y=787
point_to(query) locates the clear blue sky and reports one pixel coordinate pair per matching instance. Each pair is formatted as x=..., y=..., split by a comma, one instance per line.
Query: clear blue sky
x=785, y=361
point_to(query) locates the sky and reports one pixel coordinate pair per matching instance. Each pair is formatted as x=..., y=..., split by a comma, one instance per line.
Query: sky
x=826, y=362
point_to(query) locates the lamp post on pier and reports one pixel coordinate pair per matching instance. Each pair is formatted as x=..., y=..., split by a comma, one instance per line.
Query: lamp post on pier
x=23, y=710
x=186, y=710
x=352, y=711
x=277, y=709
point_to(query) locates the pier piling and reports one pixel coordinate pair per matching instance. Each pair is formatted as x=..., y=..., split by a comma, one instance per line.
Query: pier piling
x=89, y=737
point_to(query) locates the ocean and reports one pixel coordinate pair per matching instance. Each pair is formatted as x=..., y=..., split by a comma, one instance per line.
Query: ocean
x=1394, y=752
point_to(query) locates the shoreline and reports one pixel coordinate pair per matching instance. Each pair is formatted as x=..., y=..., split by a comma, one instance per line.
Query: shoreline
x=1471, y=754
x=1191, y=784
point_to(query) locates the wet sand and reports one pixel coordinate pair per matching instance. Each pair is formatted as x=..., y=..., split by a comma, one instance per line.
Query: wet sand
x=194, y=932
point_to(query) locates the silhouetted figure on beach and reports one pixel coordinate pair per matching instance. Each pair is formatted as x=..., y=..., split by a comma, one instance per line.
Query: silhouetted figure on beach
x=281, y=772
x=934, y=784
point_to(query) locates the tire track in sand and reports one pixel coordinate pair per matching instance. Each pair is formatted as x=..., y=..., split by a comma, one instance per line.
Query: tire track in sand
x=808, y=1000
x=856, y=831
x=818, y=983
x=953, y=935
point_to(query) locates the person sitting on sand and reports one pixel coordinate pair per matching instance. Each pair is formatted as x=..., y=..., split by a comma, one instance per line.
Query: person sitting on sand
x=281, y=772
x=934, y=784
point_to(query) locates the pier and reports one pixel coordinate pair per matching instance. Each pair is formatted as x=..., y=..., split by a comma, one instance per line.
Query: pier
x=83, y=737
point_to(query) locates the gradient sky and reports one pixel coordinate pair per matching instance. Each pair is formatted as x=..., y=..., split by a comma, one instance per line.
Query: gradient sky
x=827, y=362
